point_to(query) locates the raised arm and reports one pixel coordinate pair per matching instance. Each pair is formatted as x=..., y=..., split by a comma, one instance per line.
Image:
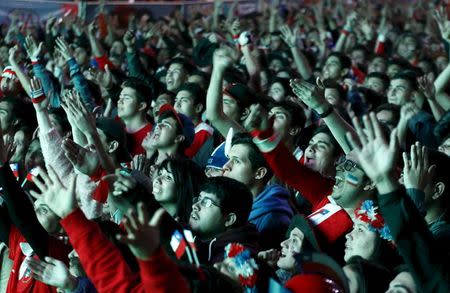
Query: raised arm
x=23, y=78
x=302, y=64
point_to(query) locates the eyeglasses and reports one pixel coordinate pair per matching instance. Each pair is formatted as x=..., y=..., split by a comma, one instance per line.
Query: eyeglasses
x=205, y=202
x=346, y=164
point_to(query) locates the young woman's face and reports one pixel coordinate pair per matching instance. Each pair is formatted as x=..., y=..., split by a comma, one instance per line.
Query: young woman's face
x=289, y=249
x=319, y=153
x=164, y=186
x=360, y=241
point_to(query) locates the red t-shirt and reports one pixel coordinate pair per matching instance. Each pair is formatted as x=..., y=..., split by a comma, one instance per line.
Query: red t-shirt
x=202, y=133
x=135, y=140
x=20, y=279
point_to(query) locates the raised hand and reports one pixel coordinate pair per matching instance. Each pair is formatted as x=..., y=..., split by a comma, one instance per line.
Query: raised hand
x=258, y=118
x=63, y=48
x=13, y=55
x=416, y=170
x=289, y=36
x=222, y=58
x=426, y=86
x=84, y=160
x=52, y=272
x=141, y=164
x=78, y=113
x=408, y=110
x=375, y=154
x=129, y=39
x=120, y=182
x=59, y=198
x=311, y=95
x=443, y=23
x=142, y=234
x=270, y=257
x=40, y=102
x=33, y=50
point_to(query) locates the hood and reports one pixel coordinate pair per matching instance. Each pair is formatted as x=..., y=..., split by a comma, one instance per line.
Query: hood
x=274, y=198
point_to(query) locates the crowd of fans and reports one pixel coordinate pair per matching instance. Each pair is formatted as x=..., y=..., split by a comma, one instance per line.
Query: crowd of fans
x=227, y=153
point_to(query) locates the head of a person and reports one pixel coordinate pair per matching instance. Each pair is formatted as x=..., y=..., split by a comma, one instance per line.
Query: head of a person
x=117, y=49
x=388, y=114
x=359, y=56
x=133, y=100
x=237, y=99
x=334, y=93
x=322, y=151
x=337, y=66
x=277, y=62
x=173, y=132
x=9, y=108
x=246, y=163
x=403, y=282
x=9, y=83
x=428, y=67
x=34, y=157
x=46, y=217
x=401, y=88
x=288, y=119
x=223, y=203
x=190, y=100
x=351, y=183
x=377, y=64
x=279, y=89
x=21, y=141
x=215, y=163
x=177, y=182
x=408, y=46
x=444, y=146
x=371, y=238
x=365, y=276
x=162, y=99
x=300, y=238
x=200, y=78
x=437, y=192
x=396, y=66
x=177, y=73
x=113, y=138
x=378, y=82
x=441, y=62
x=275, y=41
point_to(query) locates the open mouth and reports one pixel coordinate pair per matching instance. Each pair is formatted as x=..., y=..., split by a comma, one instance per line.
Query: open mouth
x=194, y=216
x=338, y=181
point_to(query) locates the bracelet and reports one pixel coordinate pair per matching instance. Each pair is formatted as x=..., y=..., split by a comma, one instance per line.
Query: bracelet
x=327, y=112
x=345, y=32
x=37, y=96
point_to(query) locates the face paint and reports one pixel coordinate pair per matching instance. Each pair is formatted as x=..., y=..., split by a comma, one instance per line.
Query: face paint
x=353, y=180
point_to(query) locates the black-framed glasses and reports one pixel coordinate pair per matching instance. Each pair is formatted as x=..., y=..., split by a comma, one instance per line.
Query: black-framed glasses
x=205, y=202
x=346, y=164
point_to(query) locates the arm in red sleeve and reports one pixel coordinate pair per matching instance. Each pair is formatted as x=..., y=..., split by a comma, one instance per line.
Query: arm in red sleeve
x=160, y=274
x=380, y=45
x=102, y=61
x=100, y=258
x=312, y=185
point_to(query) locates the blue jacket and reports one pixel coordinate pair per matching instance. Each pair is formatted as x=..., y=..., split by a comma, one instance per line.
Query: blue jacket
x=271, y=214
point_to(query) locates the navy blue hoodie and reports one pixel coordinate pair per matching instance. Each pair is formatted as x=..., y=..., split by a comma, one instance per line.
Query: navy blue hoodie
x=271, y=214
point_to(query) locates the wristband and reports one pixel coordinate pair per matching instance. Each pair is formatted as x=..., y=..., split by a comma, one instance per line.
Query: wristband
x=37, y=96
x=245, y=38
x=34, y=61
x=327, y=112
x=345, y=32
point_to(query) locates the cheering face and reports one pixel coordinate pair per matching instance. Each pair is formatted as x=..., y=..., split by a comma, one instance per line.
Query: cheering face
x=360, y=241
x=319, y=154
x=281, y=122
x=332, y=68
x=289, y=249
x=164, y=134
x=206, y=218
x=164, y=186
x=231, y=107
x=277, y=92
x=175, y=77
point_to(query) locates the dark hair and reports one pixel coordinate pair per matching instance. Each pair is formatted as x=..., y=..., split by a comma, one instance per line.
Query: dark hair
x=332, y=84
x=188, y=177
x=198, y=94
x=142, y=90
x=295, y=110
x=371, y=98
x=394, y=109
x=372, y=277
x=254, y=155
x=345, y=61
x=61, y=117
x=179, y=131
x=337, y=150
x=187, y=66
x=442, y=171
x=383, y=77
x=409, y=76
x=234, y=197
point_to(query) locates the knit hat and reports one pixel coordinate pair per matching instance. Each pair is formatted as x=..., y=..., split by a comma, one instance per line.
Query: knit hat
x=8, y=72
x=218, y=159
x=241, y=93
x=246, y=267
x=319, y=273
x=115, y=131
x=300, y=222
x=185, y=122
x=203, y=52
x=368, y=213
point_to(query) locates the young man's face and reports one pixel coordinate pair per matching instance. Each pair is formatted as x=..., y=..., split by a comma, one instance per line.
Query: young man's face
x=358, y=57
x=231, y=108
x=80, y=55
x=360, y=241
x=164, y=134
x=21, y=143
x=407, y=48
x=6, y=116
x=282, y=121
x=127, y=105
x=277, y=92
x=319, y=153
x=160, y=100
x=175, y=77
x=207, y=220
x=239, y=166
x=332, y=68
x=375, y=84
x=399, y=92
x=350, y=182
x=378, y=64
x=184, y=104
x=289, y=249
